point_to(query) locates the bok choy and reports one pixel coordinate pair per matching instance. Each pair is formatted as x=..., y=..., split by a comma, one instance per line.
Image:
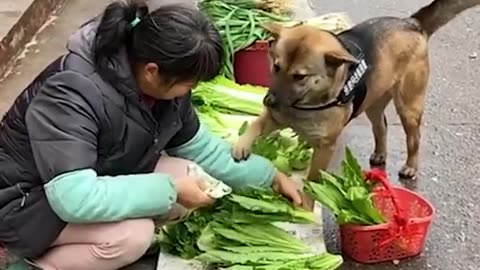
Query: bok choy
x=347, y=195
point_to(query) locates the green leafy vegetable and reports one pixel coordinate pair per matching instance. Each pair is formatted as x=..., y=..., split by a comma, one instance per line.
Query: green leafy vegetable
x=224, y=95
x=285, y=149
x=347, y=195
x=250, y=205
x=181, y=239
x=258, y=235
x=226, y=107
x=323, y=261
x=238, y=233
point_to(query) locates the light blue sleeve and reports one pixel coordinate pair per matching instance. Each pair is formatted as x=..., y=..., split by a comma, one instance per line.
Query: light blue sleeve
x=84, y=197
x=214, y=155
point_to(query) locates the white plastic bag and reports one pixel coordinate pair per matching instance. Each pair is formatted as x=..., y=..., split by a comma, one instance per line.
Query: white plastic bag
x=214, y=188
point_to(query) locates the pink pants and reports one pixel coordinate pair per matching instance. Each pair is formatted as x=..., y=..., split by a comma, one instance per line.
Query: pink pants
x=110, y=246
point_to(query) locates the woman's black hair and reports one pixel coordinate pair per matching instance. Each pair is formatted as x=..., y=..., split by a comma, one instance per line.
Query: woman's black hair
x=179, y=39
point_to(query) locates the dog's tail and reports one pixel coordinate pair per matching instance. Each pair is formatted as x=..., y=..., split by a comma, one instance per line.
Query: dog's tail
x=440, y=12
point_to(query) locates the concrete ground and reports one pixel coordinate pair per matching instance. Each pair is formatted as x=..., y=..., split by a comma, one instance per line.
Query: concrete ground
x=10, y=11
x=451, y=133
x=45, y=46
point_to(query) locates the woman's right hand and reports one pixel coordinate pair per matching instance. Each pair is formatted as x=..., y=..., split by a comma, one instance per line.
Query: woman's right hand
x=190, y=192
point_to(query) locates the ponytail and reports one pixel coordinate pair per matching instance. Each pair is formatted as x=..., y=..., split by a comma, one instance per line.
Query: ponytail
x=180, y=40
x=114, y=30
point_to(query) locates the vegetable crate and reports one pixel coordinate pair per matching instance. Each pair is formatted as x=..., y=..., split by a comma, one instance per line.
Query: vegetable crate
x=409, y=217
x=251, y=65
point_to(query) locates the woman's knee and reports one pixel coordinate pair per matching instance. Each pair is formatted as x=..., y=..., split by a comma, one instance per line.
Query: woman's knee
x=132, y=240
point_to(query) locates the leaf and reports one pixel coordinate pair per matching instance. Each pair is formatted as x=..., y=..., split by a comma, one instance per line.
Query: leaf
x=180, y=239
x=206, y=241
x=321, y=194
x=366, y=207
x=259, y=205
x=334, y=180
x=298, y=217
x=284, y=150
x=351, y=217
x=277, y=237
x=357, y=193
x=282, y=163
x=258, y=258
x=353, y=162
x=324, y=261
x=261, y=235
x=352, y=169
x=268, y=203
x=250, y=249
x=243, y=128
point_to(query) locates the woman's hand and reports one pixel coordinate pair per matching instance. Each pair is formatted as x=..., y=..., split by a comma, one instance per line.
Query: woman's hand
x=288, y=188
x=190, y=192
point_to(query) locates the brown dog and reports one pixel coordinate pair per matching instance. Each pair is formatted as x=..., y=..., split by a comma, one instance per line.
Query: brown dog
x=321, y=81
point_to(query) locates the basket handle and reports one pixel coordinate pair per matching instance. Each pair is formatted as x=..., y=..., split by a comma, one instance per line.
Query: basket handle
x=400, y=227
x=379, y=176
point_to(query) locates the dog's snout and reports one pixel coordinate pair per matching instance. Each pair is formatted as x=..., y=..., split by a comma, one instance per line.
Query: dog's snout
x=270, y=100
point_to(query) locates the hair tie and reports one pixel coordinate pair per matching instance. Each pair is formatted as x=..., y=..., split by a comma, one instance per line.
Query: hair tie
x=135, y=22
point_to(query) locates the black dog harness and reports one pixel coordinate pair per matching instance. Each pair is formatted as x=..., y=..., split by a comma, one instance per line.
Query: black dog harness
x=354, y=90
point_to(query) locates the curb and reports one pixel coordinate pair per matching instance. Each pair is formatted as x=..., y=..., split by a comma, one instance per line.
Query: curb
x=24, y=29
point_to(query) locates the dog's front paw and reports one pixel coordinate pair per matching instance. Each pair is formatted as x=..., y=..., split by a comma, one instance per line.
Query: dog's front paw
x=378, y=159
x=408, y=172
x=241, y=150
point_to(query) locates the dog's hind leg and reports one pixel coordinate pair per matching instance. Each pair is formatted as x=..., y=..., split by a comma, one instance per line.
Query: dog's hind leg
x=376, y=115
x=409, y=101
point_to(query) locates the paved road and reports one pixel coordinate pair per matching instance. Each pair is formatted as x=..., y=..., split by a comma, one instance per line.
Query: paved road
x=450, y=158
x=450, y=143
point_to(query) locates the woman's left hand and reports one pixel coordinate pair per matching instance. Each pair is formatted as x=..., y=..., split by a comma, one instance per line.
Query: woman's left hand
x=288, y=188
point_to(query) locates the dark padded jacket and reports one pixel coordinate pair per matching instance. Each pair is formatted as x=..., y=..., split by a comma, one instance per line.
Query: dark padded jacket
x=119, y=123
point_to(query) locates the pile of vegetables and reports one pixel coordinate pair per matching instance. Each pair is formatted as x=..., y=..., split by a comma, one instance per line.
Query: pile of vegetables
x=226, y=107
x=240, y=23
x=347, y=195
x=238, y=233
x=286, y=151
x=259, y=246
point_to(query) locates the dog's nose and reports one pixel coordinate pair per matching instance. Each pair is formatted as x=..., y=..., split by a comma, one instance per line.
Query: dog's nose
x=270, y=100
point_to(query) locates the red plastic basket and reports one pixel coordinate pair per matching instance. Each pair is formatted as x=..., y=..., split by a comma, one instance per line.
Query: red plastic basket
x=409, y=217
x=251, y=65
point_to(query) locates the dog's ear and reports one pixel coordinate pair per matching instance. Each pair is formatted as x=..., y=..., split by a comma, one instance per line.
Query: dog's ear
x=273, y=28
x=339, y=57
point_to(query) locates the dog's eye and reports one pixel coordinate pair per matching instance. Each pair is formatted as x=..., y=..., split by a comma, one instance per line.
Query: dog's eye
x=299, y=77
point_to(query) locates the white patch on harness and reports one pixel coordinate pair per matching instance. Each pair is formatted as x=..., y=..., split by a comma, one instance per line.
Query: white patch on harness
x=355, y=78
